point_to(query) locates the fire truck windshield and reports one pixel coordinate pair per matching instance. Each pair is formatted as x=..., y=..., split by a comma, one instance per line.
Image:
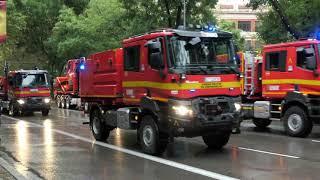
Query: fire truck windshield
x=202, y=55
x=32, y=80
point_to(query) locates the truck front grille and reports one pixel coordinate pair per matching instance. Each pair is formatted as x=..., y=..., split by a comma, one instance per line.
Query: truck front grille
x=213, y=107
x=34, y=100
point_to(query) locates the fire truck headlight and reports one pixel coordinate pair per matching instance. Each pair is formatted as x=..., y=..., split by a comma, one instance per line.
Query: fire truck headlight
x=237, y=106
x=21, y=101
x=182, y=110
x=82, y=67
x=46, y=100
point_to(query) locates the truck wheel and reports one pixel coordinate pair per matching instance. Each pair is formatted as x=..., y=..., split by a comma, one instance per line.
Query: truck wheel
x=296, y=122
x=261, y=123
x=45, y=112
x=151, y=140
x=63, y=102
x=216, y=140
x=67, y=103
x=99, y=130
x=58, y=101
x=12, y=110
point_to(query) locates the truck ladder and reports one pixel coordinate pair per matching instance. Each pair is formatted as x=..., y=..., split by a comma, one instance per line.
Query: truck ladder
x=249, y=74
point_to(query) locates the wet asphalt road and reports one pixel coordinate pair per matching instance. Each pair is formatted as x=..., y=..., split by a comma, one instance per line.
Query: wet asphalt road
x=60, y=146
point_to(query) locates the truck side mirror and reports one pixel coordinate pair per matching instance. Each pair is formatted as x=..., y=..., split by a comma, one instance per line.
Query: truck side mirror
x=311, y=63
x=156, y=60
x=154, y=46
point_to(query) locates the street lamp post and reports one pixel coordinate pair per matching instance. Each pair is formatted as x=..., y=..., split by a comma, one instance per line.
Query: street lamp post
x=184, y=14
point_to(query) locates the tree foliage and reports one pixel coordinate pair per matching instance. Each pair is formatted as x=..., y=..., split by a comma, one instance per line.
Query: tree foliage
x=230, y=27
x=47, y=33
x=302, y=17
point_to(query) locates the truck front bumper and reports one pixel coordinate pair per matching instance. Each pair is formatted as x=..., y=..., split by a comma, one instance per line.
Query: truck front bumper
x=33, y=104
x=210, y=114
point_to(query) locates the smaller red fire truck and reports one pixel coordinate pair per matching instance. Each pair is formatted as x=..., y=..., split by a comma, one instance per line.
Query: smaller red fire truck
x=284, y=85
x=66, y=88
x=23, y=91
x=165, y=84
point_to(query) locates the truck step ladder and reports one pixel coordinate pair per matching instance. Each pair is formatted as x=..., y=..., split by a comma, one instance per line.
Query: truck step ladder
x=249, y=74
x=275, y=112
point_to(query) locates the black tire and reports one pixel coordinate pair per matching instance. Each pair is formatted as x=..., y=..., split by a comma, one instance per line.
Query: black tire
x=63, y=102
x=261, y=123
x=296, y=122
x=68, y=106
x=99, y=130
x=58, y=101
x=45, y=112
x=13, y=111
x=151, y=140
x=216, y=140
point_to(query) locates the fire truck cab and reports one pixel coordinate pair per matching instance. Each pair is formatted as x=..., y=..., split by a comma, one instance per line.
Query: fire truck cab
x=24, y=91
x=165, y=84
x=284, y=85
x=66, y=88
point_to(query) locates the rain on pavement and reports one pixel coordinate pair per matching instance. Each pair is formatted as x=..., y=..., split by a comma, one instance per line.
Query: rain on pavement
x=60, y=146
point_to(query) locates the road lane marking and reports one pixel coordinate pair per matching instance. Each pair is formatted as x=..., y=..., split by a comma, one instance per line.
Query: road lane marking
x=271, y=153
x=316, y=141
x=65, y=117
x=174, y=164
x=11, y=170
x=78, y=111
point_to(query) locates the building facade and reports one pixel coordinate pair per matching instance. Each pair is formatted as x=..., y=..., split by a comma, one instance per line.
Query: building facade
x=244, y=18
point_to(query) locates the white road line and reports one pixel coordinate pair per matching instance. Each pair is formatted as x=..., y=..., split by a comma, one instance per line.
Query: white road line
x=83, y=119
x=77, y=111
x=11, y=170
x=174, y=164
x=316, y=141
x=271, y=153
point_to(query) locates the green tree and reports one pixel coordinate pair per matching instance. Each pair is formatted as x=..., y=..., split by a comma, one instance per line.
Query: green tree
x=169, y=13
x=230, y=27
x=287, y=19
x=100, y=27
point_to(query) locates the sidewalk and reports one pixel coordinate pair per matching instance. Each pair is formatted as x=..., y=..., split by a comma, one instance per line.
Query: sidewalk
x=5, y=175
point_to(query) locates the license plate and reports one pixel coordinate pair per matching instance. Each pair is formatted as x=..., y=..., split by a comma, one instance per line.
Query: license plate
x=34, y=90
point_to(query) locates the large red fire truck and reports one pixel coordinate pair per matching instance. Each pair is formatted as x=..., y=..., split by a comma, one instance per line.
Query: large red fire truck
x=165, y=84
x=24, y=91
x=284, y=85
x=66, y=88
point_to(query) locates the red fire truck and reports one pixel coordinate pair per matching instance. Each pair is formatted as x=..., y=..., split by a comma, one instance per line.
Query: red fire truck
x=24, y=91
x=66, y=88
x=165, y=84
x=284, y=85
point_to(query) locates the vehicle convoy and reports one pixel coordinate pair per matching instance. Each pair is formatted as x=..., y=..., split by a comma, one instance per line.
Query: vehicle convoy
x=66, y=88
x=23, y=91
x=164, y=84
x=284, y=85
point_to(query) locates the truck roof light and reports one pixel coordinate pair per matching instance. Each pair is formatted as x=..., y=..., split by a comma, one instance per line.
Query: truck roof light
x=82, y=67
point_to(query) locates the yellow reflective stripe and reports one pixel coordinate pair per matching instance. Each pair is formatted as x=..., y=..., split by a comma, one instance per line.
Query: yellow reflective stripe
x=29, y=92
x=131, y=99
x=282, y=93
x=247, y=108
x=274, y=93
x=292, y=81
x=154, y=98
x=160, y=99
x=183, y=86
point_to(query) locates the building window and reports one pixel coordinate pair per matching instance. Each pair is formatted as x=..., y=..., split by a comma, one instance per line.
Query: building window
x=244, y=25
x=276, y=61
x=243, y=7
x=226, y=6
x=132, y=58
